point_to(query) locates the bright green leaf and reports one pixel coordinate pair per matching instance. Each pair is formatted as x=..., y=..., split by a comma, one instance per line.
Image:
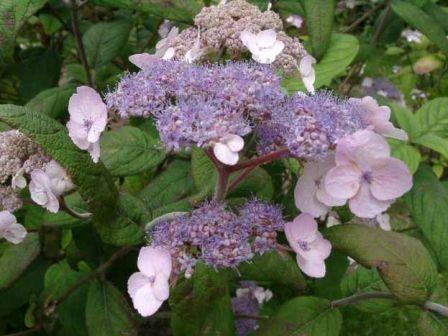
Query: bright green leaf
x=434, y=142
x=428, y=205
x=340, y=54
x=129, y=151
x=433, y=117
x=406, y=153
x=418, y=19
x=319, y=21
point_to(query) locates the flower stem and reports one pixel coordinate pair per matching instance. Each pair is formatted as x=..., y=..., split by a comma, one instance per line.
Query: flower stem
x=72, y=212
x=360, y=297
x=263, y=159
x=80, y=44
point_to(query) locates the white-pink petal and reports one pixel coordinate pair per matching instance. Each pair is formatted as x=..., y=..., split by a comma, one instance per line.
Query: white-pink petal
x=154, y=260
x=135, y=282
x=145, y=302
x=224, y=154
x=390, y=179
x=143, y=60
x=305, y=197
x=365, y=205
x=343, y=181
x=312, y=268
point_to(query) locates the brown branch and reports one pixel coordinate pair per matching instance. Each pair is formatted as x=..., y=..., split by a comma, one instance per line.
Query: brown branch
x=80, y=44
x=263, y=159
x=363, y=17
x=240, y=178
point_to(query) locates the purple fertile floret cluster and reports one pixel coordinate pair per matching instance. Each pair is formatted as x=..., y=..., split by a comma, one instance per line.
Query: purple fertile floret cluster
x=200, y=104
x=217, y=236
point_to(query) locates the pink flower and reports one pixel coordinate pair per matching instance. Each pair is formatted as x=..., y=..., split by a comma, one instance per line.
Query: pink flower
x=149, y=288
x=310, y=195
x=227, y=148
x=366, y=175
x=41, y=191
x=88, y=119
x=378, y=118
x=59, y=180
x=306, y=69
x=10, y=229
x=311, y=248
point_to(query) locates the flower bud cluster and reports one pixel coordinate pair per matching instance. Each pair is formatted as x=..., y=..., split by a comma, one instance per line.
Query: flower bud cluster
x=220, y=28
x=218, y=237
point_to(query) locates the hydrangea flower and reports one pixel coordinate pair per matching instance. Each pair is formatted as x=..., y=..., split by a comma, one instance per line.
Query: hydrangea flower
x=366, y=175
x=10, y=229
x=307, y=72
x=310, y=194
x=412, y=35
x=47, y=185
x=264, y=46
x=377, y=118
x=18, y=181
x=163, y=47
x=41, y=191
x=227, y=148
x=311, y=248
x=149, y=288
x=88, y=119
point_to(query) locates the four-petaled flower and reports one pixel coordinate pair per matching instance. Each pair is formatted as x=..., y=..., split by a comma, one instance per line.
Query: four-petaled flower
x=377, y=117
x=88, y=119
x=149, y=288
x=366, y=175
x=311, y=248
x=310, y=194
x=263, y=46
x=227, y=148
x=10, y=229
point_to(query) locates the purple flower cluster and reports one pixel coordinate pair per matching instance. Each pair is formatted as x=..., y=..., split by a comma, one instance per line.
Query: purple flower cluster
x=217, y=236
x=310, y=125
x=196, y=104
x=200, y=104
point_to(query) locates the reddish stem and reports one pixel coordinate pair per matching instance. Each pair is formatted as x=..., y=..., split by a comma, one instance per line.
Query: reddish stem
x=263, y=159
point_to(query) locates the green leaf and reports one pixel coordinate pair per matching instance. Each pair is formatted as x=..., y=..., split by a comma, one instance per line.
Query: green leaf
x=406, y=120
x=274, y=269
x=39, y=70
x=93, y=181
x=172, y=185
x=418, y=19
x=433, y=117
x=319, y=21
x=428, y=204
x=52, y=102
x=71, y=312
x=13, y=14
x=174, y=10
x=361, y=280
x=129, y=151
x=431, y=323
x=15, y=259
x=403, y=262
x=434, y=142
x=438, y=13
x=107, y=312
x=201, y=305
x=104, y=41
x=406, y=153
x=329, y=286
x=340, y=54
x=127, y=229
x=304, y=315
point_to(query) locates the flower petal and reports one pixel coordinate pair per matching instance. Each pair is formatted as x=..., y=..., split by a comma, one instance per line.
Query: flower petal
x=365, y=205
x=145, y=302
x=343, y=181
x=161, y=288
x=135, y=282
x=233, y=141
x=303, y=228
x=266, y=38
x=154, y=260
x=390, y=179
x=305, y=197
x=224, y=154
x=15, y=234
x=94, y=151
x=324, y=197
x=249, y=40
x=143, y=60
x=315, y=269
